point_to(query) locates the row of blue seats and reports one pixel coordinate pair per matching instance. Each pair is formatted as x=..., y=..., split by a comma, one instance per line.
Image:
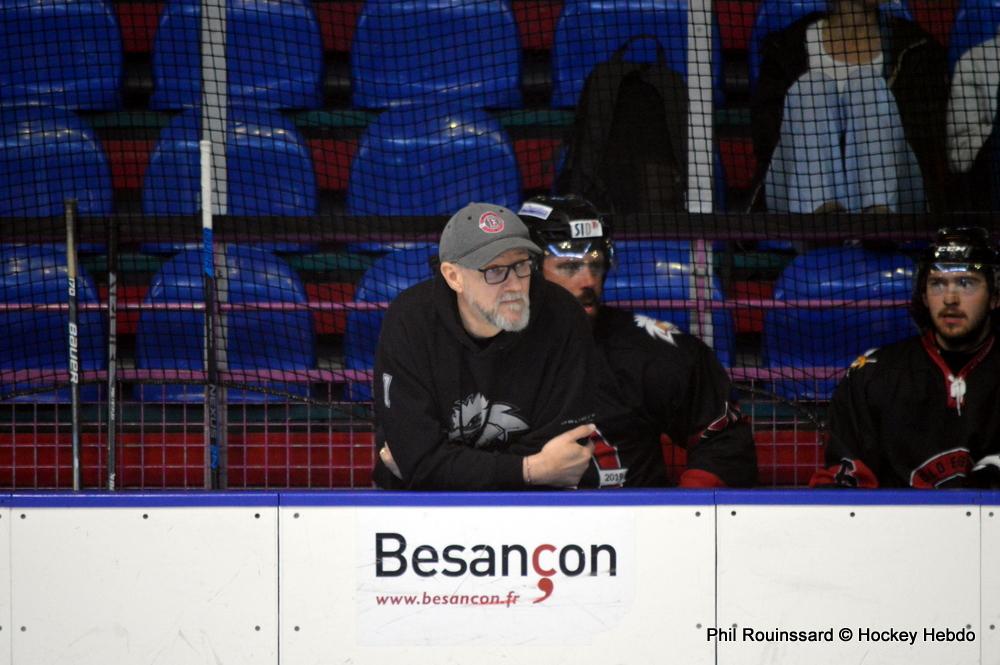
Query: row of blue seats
x=408, y=162
x=411, y=161
x=412, y=51
x=69, y=53
x=167, y=339
x=284, y=339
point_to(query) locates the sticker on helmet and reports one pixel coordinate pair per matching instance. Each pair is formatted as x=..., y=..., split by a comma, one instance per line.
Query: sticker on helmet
x=535, y=210
x=954, y=252
x=586, y=228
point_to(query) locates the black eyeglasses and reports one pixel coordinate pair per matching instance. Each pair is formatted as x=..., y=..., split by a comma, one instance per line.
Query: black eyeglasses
x=498, y=274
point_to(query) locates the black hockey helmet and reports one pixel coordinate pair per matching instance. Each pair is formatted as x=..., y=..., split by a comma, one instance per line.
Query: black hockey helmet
x=567, y=225
x=959, y=249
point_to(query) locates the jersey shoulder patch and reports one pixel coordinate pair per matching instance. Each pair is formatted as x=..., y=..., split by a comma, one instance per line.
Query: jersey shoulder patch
x=865, y=359
x=661, y=330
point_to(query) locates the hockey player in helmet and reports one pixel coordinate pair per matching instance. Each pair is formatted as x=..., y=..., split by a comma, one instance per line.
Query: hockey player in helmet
x=576, y=243
x=961, y=318
x=924, y=412
x=671, y=382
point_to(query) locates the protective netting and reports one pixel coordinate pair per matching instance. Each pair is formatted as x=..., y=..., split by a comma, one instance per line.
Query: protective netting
x=342, y=136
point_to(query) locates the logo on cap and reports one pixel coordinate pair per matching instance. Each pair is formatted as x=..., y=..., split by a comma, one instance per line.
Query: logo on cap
x=490, y=222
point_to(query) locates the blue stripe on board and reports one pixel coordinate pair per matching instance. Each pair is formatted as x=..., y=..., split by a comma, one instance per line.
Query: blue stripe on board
x=848, y=497
x=142, y=499
x=377, y=498
x=676, y=497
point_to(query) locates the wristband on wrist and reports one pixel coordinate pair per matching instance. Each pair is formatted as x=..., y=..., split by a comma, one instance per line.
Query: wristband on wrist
x=527, y=471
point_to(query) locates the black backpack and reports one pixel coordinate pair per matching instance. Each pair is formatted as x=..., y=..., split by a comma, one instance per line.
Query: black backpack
x=627, y=150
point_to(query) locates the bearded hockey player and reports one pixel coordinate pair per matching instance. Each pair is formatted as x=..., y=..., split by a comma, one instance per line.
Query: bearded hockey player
x=925, y=412
x=671, y=382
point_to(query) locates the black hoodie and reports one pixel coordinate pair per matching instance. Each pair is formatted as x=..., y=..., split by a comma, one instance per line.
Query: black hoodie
x=459, y=414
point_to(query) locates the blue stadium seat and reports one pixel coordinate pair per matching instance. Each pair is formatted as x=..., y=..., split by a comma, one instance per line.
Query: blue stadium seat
x=47, y=155
x=774, y=15
x=590, y=31
x=461, y=52
x=976, y=21
x=388, y=276
x=376, y=247
x=39, y=340
x=415, y=161
x=256, y=339
x=662, y=270
x=834, y=336
x=268, y=162
x=60, y=53
x=274, y=52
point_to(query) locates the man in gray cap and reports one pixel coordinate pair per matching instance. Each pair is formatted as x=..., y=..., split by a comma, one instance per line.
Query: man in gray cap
x=483, y=377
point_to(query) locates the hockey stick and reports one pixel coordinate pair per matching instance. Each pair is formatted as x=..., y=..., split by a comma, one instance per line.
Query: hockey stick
x=112, y=354
x=212, y=422
x=72, y=272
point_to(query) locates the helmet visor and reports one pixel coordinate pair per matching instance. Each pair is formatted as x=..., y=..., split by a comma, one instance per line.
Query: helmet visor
x=573, y=249
x=951, y=266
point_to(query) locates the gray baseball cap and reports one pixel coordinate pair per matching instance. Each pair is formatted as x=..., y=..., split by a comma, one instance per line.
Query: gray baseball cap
x=479, y=232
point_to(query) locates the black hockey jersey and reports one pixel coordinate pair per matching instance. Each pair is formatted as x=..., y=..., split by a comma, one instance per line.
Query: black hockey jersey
x=902, y=418
x=673, y=384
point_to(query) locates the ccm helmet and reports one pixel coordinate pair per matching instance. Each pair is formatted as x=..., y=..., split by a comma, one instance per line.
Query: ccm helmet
x=567, y=225
x=960, y=249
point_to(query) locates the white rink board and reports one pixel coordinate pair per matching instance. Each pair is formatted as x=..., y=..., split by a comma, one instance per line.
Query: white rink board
x=842, y=567
x=662, y=588
x=107, y=585
x=5, y=623
x=991, y=583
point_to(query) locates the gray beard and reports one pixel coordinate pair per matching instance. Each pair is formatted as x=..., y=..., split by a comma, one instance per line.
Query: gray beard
x=495, y=318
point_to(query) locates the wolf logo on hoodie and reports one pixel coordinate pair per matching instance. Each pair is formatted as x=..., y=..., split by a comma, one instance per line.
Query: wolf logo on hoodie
x=484, y=424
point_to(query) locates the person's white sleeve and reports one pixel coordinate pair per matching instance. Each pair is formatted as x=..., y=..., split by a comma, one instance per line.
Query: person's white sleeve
x=972, y=106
